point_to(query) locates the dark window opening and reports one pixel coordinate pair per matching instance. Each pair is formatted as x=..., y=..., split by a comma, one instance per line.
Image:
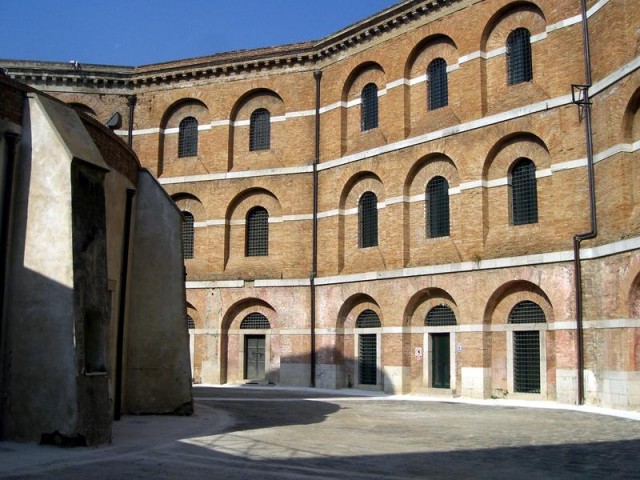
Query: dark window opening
x=255, y=321
x=440, y=316
x=437, y=211
x=437, y=84
x=260, y=130
x=519, y=62
x=368, y=319
x=188, y=137
x=524, y=193
x=368, y=220
x=257, y=233
x=187, y=235
x=369, y=107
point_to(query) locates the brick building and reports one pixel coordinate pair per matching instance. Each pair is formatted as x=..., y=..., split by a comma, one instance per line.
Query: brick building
x=396, y=206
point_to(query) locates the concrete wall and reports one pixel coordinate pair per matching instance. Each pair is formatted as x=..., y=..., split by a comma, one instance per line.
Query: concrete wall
x=158, y=370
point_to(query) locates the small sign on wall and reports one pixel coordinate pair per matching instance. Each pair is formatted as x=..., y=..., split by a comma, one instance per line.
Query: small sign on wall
x=418, y=352
x=458, y=347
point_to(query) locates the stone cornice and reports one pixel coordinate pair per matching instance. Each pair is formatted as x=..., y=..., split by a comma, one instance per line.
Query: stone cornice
x=120, y=79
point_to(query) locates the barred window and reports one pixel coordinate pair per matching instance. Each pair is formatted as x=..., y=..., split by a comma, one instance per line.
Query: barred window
x=368, y=220
x=369, y=107
x=527, y=312
x=519, y=62
x=255, y=321
x=526, y=347
x=188, y=137
x=187, y=235
x=437, y=207
x=190, y=323
x=440, y=316
x=257, y=233
x=368, y=319
x=260, y=130
x=437, y=84
x=524, y=192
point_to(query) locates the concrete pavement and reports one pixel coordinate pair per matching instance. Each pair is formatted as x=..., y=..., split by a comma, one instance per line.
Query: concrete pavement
x=272, y=432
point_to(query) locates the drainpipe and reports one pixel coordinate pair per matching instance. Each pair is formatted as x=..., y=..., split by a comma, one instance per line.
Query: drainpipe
x=131, y=101
x=585, y=103
x=314, y=249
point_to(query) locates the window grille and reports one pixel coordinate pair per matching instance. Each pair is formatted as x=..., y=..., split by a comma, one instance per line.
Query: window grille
x=526, y=361
x=368, y=220
x=255, y=321
x=188, y=137
x=190, y=323
x=187, y=235
x=524, y=193
x=257, y=233
x=369, y=107
x=368, y=319
x=519, y=62
x=437, y=84
x=440, y=316
x=437, y=208
x=527, y=312
x=260, y=130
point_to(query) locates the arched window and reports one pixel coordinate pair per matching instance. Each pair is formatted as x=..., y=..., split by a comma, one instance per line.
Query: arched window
x=440, y=316
x=437, y=85
x=257, y=233
x=524, y=192
x=188, y=137
x=255, y=321
x=369, y=107
x=526, y=347
x=437, y=207
x=190, y=323
x=368, y=319
x=260, y=130
x=187, y=235
x=519, y=63
x=368, y=220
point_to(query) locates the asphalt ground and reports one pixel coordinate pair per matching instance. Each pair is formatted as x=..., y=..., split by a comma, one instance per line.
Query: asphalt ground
x=278, y=433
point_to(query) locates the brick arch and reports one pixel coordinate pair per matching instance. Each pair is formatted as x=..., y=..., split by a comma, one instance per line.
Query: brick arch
x=419, y=248
x=240, y=156
x=168, y=160
x=230, y=326
x=352, y=139
x=514, y=14
x=507, y=295
x=634, y=297
x=423, y=301
x=631, y=119
x=417, y=118
x=191, y=203
x=511, y=147
x=497, y=96
x=235, y=261
x=354, y=306
x=354, y=188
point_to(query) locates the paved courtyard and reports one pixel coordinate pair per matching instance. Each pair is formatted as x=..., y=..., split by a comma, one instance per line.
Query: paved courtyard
x=246, y=432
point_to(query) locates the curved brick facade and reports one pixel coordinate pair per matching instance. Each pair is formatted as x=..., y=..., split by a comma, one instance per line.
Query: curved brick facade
x=485, y=265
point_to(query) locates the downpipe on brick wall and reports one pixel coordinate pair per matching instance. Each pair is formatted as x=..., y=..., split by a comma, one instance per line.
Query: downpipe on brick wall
x=314, y=249
x=131, y=101
x=579, y=237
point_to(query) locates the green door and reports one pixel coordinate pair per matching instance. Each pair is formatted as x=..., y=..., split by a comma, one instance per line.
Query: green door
x=440, y=360
x=254, y=357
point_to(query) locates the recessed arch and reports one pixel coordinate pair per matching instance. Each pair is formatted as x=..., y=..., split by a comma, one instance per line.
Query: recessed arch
x=512, y=146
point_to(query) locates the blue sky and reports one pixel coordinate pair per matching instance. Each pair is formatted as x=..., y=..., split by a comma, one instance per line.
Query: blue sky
x=139, y=32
